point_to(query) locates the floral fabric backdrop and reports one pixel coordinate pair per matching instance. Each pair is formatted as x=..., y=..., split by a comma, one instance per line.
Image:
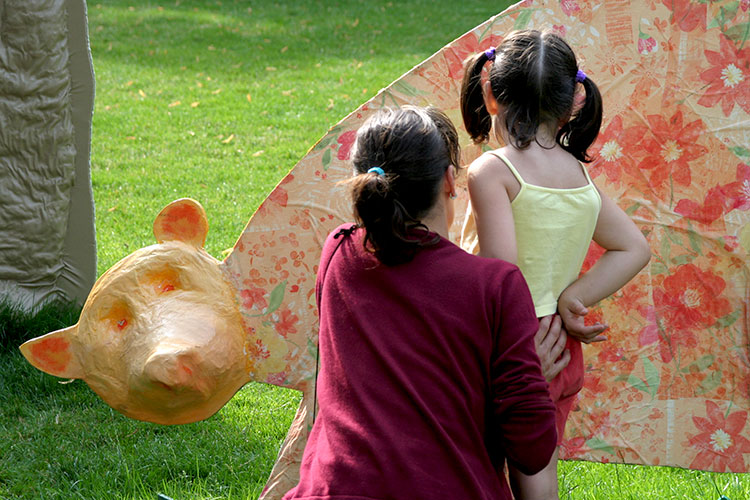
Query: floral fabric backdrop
x=671, y=386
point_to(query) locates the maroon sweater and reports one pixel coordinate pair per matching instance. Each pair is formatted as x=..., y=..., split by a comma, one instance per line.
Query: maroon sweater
x=428, y=378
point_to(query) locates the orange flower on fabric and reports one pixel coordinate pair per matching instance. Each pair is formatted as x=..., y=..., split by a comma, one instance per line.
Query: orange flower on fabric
x=345, y=140
x=253, y=297
x=286, y=321
x=691, y=298
x=687, y=14
x=276, y=200
x=669, y=150
x=728, y=78
x=613, y=151
x=719, y=200
x=464, y=47
x=720, y=443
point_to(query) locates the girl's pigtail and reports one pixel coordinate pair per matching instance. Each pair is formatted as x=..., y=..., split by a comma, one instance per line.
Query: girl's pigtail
x=578, y=134
x=477, y=119
x=387, y=223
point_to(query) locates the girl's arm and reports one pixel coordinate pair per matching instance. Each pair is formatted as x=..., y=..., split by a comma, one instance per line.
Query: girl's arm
x=490, y=205
x=627, y=252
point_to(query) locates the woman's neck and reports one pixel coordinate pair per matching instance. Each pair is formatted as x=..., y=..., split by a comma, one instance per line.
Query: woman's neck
x=436, y=220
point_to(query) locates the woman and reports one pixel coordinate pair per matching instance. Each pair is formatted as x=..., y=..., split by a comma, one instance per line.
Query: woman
x=428, y=376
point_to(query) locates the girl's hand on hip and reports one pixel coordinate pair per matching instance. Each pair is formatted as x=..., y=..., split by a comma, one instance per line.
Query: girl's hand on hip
x=573, y=312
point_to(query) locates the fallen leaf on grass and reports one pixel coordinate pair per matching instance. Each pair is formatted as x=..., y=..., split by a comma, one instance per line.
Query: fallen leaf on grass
x=173, y=104
x=284, y=49
x=258, y=153
x=270, y=68
x=228, y=139
x=217, y=91
x=249, y=98
x=112, y=209
x=194, y=104
x=141, y=93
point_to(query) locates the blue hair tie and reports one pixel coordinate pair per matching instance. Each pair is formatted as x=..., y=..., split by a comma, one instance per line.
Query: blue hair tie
x=490, y=53
x=580, y=76
x=376, y=170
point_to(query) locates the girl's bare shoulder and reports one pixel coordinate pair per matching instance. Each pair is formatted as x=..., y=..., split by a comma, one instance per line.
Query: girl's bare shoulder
x=489, y=167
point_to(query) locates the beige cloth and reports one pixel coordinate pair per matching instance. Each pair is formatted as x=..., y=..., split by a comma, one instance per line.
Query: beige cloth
x=47, y=242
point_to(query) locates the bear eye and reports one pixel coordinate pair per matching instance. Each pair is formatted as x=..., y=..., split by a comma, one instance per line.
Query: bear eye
x=163, y=280
x=118, y=316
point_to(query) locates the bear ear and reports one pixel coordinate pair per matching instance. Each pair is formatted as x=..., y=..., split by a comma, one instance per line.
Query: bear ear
x=52, y=353
x=182, y=220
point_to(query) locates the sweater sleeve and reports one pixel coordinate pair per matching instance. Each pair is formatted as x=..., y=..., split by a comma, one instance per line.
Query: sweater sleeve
x=522, y=416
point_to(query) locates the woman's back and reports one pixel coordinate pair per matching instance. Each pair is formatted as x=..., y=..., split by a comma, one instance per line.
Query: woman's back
x=409, y=356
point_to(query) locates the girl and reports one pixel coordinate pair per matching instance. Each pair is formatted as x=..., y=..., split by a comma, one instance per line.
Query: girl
x=428, y=376
x=533, y=203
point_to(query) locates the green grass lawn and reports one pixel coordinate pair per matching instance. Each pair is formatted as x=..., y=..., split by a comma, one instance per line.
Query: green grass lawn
x=217, y=100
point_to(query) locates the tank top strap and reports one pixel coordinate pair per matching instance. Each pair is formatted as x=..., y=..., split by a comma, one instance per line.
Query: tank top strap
x=510, y=167
x=586, y=173
x=591, y=183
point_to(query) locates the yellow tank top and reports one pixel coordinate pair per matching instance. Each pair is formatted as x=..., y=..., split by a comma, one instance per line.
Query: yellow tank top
x=554, y=228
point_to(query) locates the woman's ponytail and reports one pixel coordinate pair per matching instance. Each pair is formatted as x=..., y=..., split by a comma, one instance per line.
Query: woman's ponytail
x=385, y=219
x=578, y=134
x=477, y=119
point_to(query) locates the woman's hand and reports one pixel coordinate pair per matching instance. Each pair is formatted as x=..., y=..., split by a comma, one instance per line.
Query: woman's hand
x=550, y=341
x=573, y=311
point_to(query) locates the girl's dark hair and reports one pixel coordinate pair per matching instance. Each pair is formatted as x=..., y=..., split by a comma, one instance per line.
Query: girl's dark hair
x=533, y=77
x=414, y=147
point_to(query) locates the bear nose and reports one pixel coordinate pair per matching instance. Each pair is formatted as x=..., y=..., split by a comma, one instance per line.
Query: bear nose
x=173, y=369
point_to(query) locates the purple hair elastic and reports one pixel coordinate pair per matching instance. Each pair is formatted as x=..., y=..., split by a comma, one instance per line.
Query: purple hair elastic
x=580, y=76
x=490, y=53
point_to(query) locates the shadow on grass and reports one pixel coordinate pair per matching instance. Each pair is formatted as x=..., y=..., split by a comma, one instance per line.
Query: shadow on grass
x=204, y=36
x=18, y=325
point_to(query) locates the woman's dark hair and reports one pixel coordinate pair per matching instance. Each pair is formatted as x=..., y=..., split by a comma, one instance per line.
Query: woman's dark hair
x=414, y=147
x=533, y=77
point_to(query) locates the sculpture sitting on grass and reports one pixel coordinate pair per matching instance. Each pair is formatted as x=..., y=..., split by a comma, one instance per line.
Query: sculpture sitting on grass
x=161, y=337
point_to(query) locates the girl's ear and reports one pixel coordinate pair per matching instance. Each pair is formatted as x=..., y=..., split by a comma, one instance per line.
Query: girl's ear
x=489, y=100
